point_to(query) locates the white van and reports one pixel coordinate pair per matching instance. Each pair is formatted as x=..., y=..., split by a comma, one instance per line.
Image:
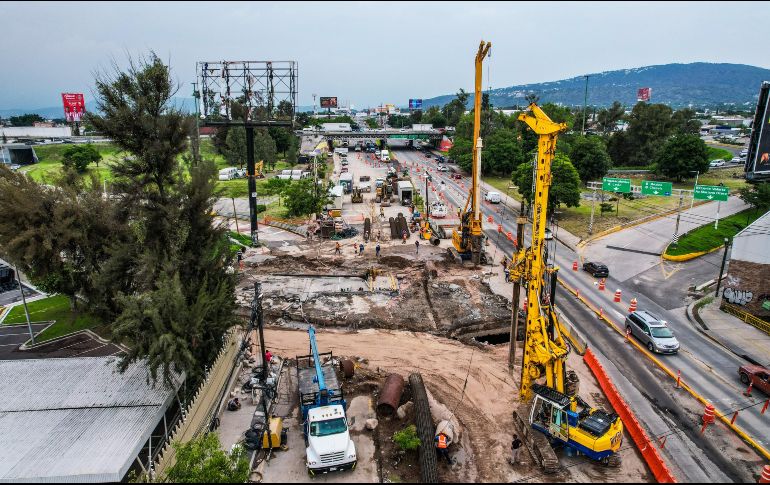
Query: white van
x=228, y=173
x=385, y=156
x=493, y=197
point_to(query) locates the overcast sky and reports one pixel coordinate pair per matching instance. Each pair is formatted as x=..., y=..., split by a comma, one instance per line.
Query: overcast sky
x=369, y=53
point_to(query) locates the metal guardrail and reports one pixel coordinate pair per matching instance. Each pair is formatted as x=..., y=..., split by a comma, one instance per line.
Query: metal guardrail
x=755, y=322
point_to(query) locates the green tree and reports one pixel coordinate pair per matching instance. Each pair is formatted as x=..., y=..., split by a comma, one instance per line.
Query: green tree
x=201, y=460
x=565, y=187
x=607, y=119
x=235, y=151
x=300, y=198
x=684, y=122
x=757, y=196
x=399, y=121
x=79, y=157
x=559, y=114
x=462, y=153
x=649, y=126
x=371, y=123
x=28, y=119
x=590, y=157
x=454, y=109
x=435, y=117
x=502, y=153
x=264, y=146
x=416, y=116
x=681, y=155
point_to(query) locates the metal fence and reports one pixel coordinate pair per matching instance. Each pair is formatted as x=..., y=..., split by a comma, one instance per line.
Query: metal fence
x=197, y=416
x=746, y=317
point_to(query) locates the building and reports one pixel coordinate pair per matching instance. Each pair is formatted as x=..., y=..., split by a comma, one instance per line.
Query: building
x=17, y=154
x=79, y=419
x=747, y=285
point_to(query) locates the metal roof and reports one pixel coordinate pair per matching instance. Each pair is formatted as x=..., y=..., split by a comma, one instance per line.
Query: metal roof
x=75, y=419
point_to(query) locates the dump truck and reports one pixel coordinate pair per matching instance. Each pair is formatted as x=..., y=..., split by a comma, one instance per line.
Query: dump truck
x=328, y=446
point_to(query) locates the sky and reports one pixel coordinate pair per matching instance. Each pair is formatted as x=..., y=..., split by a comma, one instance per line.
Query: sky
x=368, y=53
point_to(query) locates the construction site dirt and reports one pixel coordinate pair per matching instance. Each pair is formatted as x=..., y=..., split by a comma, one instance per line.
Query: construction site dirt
x=417, y=315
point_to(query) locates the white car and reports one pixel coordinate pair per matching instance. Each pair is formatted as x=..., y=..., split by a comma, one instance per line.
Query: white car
x=493, y=197
x=737, y=160
x=443, y=168
x=717, y=163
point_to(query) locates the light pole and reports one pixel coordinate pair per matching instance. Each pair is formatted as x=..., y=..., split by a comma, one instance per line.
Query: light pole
x=722, y=269
x=697, y=172
x=585, y=102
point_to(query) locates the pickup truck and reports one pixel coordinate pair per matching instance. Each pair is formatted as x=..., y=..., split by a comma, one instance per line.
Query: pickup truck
x=756, y=375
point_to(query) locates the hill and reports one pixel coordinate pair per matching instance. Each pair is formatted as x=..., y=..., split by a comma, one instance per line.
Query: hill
x=699, y=84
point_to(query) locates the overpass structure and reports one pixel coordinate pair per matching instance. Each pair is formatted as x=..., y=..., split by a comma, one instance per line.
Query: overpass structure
x=404, y=134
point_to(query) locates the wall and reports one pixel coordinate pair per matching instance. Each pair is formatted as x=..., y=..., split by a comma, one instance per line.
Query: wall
x=747, y=287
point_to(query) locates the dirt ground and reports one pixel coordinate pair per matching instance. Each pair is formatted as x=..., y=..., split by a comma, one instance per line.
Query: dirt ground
x=483, y=403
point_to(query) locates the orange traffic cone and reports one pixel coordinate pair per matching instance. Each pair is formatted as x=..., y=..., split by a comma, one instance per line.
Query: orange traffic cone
x=632, y=307
x=765, y=477
x=601, y=284
x=574, y=266
x=617, y=296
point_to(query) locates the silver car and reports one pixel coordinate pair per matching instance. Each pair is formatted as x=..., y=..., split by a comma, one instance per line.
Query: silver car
x=652, y=331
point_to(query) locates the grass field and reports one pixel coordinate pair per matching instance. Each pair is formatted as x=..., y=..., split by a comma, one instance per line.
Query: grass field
x=53, y=308
x=706, y=238
x=715, y=153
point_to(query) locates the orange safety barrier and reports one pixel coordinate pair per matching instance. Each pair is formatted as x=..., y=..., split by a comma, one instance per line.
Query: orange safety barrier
x=765, y=477
x=649, y=453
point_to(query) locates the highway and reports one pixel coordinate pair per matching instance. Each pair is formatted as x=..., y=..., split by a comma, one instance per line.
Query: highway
x=708, y=368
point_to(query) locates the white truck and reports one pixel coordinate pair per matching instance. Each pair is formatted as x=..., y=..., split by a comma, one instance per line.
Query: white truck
x=385, y=155
x=324, y=422
x=228, y=173
x=405, y=192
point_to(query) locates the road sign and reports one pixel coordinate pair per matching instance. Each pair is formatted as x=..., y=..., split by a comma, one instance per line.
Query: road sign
x=650, y=187
x=711, y=192
x=612, y=184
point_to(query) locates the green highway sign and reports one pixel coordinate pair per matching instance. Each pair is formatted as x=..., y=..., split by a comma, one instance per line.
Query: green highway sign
x=711, y=192
x=612, y=184
x=650, y=187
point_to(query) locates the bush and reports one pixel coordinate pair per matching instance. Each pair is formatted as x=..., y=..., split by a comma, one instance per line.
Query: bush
x=407, y=439
x=261, y=208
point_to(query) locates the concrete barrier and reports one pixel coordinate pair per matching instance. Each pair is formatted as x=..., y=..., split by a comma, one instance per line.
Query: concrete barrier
x=650, y=454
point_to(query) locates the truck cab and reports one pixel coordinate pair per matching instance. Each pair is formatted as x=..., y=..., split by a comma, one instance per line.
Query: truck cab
x=329, y=447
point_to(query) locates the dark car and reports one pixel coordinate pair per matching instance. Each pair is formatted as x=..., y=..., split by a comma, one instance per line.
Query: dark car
x=757, y=375
x=457, y=176
x=428, y=155
x=441, y=159
x=597, y=270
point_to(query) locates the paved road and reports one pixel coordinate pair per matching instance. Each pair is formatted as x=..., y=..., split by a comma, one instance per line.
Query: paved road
x=709, y=369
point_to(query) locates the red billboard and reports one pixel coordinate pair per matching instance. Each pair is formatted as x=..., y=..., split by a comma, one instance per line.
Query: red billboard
x=74, y=106
x=643, y=94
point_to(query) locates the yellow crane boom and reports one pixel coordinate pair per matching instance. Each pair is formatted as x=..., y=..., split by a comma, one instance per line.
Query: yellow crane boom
x=468, y=238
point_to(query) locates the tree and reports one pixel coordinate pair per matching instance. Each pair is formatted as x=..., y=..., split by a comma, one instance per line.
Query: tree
x=649, y=126
x=415, y=116
x=684, y=122
x=264, y=146
x=502, y=153
x=201, y=460
x=454, y=109
x=461, y=152
x=300, y=198
x=682, y=155
x=757, y=196
x=435, y=117
x=79, y=157
x=590, y=157
x=565, y=185
x=607, y=119
x=28, y=119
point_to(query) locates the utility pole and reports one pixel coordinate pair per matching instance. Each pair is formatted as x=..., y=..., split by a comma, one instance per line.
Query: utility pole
x=585, y=102
x=675, y=239
x=257, y=320
x=591, y=221
x=520, y=221
x=722, y=269
x=697, y=173
x=235, y=217
x=716, y=221
x=252, y=184
x=26, y=310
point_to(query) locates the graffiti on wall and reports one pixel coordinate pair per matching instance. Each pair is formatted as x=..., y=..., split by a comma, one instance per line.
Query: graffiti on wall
x=737, y=297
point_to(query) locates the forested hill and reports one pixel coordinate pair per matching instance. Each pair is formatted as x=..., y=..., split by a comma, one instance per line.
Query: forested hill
x=699, y=84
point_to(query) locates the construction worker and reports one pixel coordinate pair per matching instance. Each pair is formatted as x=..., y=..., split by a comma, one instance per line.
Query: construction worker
x=403, y=236
x=377, y=250
x=233, y=404
x=442, y=447
x=382, y=214
x=337, y=248
x=417, y=246
x=515, y=449
x=361, y=249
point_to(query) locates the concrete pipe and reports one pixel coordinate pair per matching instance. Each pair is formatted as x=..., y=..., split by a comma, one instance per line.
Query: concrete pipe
x=390, y=395
x=347, y=368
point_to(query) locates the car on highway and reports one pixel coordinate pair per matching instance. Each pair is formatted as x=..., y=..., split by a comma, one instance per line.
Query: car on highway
x=597, y=270
x=652, y=331
x=344, y=162
x=548, y=235
x=441, y=159
x=443, y=168
x=744, y=152
x=428, y=155
x=457, y=176
x=493, y=197
x=756, y=375
x=717, y=163
x=737, y=160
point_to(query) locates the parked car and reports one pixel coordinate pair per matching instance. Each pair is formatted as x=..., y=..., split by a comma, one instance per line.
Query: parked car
x=757, y=375
x=717, y=163
x=652, y=331
x=597, y=270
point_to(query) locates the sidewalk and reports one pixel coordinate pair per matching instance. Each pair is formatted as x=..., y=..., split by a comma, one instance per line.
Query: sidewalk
x=739, y=337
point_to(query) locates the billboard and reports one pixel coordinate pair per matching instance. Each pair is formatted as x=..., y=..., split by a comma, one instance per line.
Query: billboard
x=74, y=106
x=643, y=94
x=758, y=157
x=415, y=104
x=328, y=101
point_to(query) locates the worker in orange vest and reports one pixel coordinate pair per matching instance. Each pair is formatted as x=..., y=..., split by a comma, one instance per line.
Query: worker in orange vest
x=442, y=447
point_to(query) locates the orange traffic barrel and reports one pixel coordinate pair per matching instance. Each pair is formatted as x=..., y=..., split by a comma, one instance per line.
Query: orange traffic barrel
x=765, y=477
x=617, y=296
x=490, y=219
x=601, y=284
x=574, y=266
x=632, y=306
x=708, y=414
x=500, y=228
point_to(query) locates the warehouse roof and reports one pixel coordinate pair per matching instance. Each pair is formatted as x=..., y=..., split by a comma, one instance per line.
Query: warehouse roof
x=75, y=419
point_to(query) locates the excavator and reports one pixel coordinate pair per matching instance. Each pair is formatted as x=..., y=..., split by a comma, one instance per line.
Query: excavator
x=258, y=169
x=468, y=238
x=550, y=406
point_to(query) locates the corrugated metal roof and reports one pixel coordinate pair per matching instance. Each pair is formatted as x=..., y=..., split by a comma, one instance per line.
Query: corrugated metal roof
x=76, y=419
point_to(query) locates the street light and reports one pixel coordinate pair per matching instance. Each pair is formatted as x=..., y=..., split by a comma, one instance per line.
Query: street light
x=722, y=269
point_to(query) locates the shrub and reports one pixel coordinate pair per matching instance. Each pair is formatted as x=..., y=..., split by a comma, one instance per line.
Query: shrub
x=407, y=439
